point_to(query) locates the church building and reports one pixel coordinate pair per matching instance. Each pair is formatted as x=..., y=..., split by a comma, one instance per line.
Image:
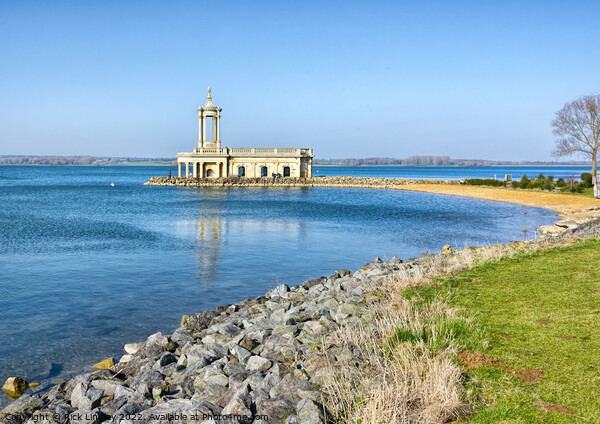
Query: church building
x=210, y=160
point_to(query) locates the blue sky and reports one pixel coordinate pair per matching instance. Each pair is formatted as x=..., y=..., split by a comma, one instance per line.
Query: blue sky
x=468, y=79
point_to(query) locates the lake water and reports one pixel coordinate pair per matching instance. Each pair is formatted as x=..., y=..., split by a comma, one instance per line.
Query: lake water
x=86, y=267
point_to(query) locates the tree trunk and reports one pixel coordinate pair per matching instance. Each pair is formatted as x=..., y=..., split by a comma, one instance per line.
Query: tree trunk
x=594, y=175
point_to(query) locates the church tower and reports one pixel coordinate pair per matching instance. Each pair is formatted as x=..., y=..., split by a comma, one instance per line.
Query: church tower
x=210, y=125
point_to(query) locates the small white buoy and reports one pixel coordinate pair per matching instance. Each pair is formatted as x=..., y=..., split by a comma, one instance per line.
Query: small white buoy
x=112, y=184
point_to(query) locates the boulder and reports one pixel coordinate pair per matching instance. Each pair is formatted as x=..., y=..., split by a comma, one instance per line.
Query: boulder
x=105, y=364
x=309, y=412
x=26, y=405
x=84, y=397
x=273, y=410
x=133, y=348
x=14, y=387
x=199, y=321
x=258, y=363
x=82, y=416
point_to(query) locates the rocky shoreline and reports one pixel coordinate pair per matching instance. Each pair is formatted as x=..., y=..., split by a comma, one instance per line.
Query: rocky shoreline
x=259, y=360
x=350, y=182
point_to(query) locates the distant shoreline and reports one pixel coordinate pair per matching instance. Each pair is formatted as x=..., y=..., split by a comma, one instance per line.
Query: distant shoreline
x=319, y=165
x=456, y=166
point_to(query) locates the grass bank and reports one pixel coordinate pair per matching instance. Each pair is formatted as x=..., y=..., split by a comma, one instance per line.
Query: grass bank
x=536, y=318
x=504, y=334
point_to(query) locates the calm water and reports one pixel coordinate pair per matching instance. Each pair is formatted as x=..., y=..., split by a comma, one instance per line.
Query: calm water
x=86, y=267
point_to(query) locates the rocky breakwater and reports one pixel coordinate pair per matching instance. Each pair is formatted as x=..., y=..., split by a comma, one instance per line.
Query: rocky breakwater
x=352, y=182
x=260, y=360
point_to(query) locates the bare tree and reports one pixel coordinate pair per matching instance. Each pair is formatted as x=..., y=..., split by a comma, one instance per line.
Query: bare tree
x=577, y=130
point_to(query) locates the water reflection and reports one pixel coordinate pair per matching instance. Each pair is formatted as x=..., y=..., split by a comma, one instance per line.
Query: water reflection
x=208, y=248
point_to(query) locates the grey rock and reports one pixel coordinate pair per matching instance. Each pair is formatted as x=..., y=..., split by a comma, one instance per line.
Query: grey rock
x=309, y=412
x=107, y=386
x=150, y=377
x=26, y=405
x=111, y=407
x=276, y=410
x=254, y=378
x=123, y=391
x=210, y=392
x=280, y=290
x=241, y=354
x=156, y=344
x=215, y=377
x=167, y=359
x=258, y=363
x=233, y=367
x=199, y=321
x=133, y=348
x=178, y=411
x=84, y=416
x=291, y=385
x=129, y=409
x=63, y=411
x=182, y=336
x=84, y=397
x=226, y=329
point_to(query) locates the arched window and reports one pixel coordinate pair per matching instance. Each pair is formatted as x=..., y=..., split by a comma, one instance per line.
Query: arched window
x=209, y=173
x=241, y=171
x=286, y=171
x=263, y=171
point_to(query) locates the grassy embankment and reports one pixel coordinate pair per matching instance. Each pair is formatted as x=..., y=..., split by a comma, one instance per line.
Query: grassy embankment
x=491, y=335
x=536, y=317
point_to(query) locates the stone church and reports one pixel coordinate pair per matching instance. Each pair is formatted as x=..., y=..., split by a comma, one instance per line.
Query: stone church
x=210, y=160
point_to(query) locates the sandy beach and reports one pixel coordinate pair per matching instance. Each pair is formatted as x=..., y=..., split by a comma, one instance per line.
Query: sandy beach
x=567, y=205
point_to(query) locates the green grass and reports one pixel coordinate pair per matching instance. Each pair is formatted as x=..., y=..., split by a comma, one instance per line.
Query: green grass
x=507, y=299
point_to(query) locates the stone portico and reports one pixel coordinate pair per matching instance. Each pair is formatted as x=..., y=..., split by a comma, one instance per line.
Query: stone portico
x=210, y=160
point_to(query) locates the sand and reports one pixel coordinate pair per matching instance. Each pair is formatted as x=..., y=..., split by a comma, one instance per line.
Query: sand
x=569, y=206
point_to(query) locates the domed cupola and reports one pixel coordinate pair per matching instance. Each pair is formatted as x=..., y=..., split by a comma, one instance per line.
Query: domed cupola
x=206, y=113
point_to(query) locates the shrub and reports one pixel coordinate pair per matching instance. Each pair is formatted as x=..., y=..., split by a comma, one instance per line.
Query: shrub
x=560, y=182
x=485, y=182
x=541, y=179
x=586, y=177
x=550, y=179
x=525, y=182
x=548, y=186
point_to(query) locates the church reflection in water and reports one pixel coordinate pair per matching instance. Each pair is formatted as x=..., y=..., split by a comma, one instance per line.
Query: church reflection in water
x=208, y=247
x=230, y=246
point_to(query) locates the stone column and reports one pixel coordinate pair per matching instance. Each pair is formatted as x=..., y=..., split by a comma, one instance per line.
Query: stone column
x=218, y=120
x=194, y=169
x=201, y=131
x=179, y=168
x=214, y=129
x=187, y=169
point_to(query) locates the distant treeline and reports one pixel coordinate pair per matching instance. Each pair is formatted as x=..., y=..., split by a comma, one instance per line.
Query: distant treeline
x=435, y=161
x=409, y=161
x=79, y=160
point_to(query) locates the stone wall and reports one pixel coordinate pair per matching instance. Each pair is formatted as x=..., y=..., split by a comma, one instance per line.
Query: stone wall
x=358, y=182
